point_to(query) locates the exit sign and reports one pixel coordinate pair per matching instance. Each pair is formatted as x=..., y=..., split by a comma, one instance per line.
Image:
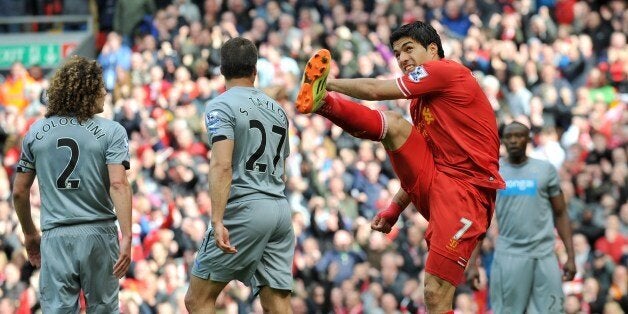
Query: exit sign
x=45, y=55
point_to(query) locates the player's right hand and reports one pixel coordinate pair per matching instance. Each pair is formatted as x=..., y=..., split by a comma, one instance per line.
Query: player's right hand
x=32, y=244
x=221, y=236
x=381, y=224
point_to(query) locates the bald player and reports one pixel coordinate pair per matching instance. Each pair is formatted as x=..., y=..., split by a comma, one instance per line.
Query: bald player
x=525, y=275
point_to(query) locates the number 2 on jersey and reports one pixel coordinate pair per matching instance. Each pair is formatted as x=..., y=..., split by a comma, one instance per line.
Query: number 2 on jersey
x=252, y=163
x=63, y=181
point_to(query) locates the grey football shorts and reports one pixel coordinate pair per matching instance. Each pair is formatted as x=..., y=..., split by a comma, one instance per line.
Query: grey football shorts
x=79, y=257
x=261, y=231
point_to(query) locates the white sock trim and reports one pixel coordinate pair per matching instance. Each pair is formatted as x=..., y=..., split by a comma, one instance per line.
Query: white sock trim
x=384, y=125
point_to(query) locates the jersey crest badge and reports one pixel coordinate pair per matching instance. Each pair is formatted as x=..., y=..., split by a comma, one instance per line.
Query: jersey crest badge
x=428, y=117
x=417, y=74
x=452, y=245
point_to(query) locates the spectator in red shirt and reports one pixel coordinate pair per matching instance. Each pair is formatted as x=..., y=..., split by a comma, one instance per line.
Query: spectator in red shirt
x=613, y=243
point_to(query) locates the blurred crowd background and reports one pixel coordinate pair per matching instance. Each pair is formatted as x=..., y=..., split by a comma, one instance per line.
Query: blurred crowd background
x=559, y=66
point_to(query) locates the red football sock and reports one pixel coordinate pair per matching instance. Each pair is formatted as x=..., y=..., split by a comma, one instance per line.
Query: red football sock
x=354, y=118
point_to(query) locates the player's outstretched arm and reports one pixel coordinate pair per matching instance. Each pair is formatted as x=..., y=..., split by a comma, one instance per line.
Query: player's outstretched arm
x=120, y=191
x=220, y=176
x=22, y=203
x=366, y=88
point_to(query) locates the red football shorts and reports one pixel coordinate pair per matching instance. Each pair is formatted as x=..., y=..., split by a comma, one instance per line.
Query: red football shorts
x=458, y=212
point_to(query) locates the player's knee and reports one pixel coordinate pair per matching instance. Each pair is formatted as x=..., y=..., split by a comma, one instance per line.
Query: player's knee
x=434, y=294
x=193, y=303
x=275, y=301
x=189, y=303
x=398, y=128
x=394, y=119
x=397, y=124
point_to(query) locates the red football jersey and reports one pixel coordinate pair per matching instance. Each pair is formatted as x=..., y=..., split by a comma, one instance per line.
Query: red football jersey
x=450, y=109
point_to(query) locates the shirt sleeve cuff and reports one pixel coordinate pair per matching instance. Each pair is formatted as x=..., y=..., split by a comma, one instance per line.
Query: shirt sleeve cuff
x=402, y=86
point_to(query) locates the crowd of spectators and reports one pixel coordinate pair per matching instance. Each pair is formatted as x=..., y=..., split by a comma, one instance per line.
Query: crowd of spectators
x=560, y=66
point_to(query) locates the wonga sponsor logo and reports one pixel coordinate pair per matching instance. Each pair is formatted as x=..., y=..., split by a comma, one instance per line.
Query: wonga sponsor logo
x=519, y=187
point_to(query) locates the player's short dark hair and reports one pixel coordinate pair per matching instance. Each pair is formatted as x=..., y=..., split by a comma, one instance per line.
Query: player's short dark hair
x=503, y=127
x=238, y=58
x=423, y=33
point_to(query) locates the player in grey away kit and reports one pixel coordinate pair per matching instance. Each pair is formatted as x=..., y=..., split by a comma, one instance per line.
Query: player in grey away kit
x=525, y=275
x=80, y=162
x=250, y=238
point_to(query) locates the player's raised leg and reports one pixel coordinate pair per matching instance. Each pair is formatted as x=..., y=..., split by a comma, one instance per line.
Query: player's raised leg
x=360, y=121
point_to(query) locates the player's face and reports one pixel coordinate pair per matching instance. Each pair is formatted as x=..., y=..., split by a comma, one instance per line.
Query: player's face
x=515, y=139
x=410, y=53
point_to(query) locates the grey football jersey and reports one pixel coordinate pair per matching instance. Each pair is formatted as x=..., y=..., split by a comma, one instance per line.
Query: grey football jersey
x=259, y=128
x=524, y=212
x=70, y=161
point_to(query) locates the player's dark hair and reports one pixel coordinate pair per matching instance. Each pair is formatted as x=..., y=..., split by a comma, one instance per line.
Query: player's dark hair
x=423, y=33
x=238, y=58
x=75, y=89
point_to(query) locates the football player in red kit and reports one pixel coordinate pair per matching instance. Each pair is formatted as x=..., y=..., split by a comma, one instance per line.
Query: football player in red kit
x=446, y=159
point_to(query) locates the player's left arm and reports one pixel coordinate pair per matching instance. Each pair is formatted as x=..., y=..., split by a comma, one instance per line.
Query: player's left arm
x=561, y=219
x=284, y=176
x=117, y=158
x=286, y=152
x=563, y=226
x=121, y=195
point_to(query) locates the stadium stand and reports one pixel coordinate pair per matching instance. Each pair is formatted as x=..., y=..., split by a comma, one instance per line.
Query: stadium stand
x=560, y=66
